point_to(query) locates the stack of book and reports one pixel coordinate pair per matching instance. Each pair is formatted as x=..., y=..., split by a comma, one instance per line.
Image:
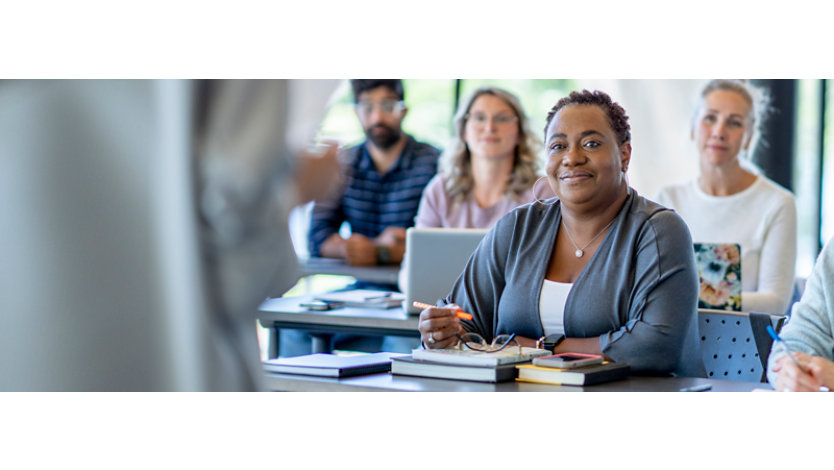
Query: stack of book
x=456, y=364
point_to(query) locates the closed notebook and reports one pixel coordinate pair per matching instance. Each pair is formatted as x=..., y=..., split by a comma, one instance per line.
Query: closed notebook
x=330, y=365
x=467, y=357
x=364, y=298
x=589, y=375
x=407, y=365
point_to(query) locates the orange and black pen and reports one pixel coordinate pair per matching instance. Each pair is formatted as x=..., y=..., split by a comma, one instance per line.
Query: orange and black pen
x=460, y=313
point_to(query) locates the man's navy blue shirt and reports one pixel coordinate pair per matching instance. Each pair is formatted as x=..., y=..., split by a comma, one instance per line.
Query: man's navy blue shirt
x=370, y=201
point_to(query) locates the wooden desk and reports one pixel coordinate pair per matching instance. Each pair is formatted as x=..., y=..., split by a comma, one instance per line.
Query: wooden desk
x=387, y=382
x=285, y=312
x=375, y=274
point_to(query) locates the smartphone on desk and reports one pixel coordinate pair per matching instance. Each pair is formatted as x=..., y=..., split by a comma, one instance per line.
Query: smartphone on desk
x=568, y=360
x=320, y=305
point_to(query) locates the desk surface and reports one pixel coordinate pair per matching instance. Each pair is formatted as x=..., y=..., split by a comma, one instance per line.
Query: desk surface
x=387, y=382
x=285, y=312
x=375, y=274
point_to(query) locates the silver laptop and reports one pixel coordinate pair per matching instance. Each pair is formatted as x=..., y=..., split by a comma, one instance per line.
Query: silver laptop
x=434, y=258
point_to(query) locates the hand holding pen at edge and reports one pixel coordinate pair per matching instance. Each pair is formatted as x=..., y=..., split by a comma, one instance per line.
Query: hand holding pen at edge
x=439, y=326
x=458, y=311
x=791, y=378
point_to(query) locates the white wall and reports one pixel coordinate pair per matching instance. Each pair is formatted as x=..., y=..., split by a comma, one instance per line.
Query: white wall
x=659, y=113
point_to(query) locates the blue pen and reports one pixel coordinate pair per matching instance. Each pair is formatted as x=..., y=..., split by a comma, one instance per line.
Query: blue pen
x=776, y=338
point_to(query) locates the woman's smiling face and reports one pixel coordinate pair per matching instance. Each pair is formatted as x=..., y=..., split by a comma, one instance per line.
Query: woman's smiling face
x=585, y=162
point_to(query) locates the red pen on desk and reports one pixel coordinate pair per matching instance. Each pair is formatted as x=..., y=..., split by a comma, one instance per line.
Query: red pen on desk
x=460, y=313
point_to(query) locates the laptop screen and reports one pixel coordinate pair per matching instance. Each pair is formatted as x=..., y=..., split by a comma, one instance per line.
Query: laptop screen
x=719, y=270
x=434, y=258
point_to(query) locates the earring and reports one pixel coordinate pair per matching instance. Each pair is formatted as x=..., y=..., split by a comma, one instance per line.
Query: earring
x=536, y=193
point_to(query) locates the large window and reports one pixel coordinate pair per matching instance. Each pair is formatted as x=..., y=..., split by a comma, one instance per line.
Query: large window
x=806, y=173
x=431, y=107
x=827, y=196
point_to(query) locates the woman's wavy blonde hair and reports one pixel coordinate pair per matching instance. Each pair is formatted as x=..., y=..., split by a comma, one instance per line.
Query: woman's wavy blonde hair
x=456, y=161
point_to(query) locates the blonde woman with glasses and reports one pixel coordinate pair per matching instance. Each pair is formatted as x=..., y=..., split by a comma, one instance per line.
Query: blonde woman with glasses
x=488, y=169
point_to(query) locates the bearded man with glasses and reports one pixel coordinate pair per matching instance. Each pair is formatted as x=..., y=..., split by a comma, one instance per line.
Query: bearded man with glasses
x=383, y=181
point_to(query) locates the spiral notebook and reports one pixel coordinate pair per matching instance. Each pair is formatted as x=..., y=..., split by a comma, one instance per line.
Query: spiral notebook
x=719, y=272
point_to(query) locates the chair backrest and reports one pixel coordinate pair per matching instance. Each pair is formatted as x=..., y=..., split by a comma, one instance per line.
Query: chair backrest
x=735, y=345
x=796, y=296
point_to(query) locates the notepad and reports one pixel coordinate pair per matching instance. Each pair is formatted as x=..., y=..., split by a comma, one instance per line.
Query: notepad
x=331, y=365
x=467, y=357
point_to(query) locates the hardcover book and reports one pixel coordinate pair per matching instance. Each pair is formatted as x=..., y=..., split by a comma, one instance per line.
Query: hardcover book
x=589, y=375
x=407, y=365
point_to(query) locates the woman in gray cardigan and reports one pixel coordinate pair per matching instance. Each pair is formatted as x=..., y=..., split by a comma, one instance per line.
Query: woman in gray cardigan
x=598, y=270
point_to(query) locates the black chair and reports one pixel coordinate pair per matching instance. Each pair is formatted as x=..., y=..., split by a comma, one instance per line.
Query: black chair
x=735, y=345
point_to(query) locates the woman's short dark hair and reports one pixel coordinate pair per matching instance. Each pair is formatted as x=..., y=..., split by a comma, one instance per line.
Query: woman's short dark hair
x=617, y=118
x=362, y=85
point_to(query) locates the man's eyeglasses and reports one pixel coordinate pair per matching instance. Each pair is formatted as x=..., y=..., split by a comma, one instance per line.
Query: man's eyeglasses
x=364, y=108
x=476, y=342
x=482, y=119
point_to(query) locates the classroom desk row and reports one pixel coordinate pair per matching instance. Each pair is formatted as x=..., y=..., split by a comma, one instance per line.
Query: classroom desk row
x=286, y=312
x=387, y=382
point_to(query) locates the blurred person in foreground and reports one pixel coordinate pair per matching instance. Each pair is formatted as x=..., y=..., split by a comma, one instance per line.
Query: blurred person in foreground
x=150, y=221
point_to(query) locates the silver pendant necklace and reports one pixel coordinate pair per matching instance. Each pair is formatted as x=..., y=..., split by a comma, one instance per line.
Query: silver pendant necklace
x=581, y=251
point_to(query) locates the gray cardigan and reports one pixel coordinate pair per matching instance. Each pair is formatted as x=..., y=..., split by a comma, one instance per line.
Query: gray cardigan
x=638, y=293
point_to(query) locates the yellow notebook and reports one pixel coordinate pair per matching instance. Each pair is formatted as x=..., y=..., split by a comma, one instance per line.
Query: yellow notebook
x=589, y=375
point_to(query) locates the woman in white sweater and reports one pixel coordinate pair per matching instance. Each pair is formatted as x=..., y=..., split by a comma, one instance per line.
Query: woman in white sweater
x=730, y=203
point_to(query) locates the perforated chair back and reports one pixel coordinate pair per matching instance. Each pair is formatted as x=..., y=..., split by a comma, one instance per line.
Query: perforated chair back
x=733, y=346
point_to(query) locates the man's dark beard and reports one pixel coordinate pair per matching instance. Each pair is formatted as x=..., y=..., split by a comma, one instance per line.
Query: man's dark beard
x=383, y=136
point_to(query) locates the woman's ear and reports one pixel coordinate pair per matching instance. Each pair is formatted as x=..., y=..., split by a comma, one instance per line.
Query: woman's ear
x=625, y=156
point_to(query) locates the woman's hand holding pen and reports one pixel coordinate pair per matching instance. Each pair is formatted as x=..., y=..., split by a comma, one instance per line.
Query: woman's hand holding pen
x=818, y=374
x=438, y=326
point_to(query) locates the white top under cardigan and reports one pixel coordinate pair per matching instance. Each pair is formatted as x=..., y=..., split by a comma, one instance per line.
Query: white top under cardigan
x=552, y=302
x=762, y=219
